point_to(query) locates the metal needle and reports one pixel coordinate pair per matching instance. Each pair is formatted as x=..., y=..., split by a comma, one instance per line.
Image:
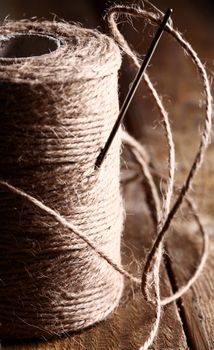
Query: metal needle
x=133, y=89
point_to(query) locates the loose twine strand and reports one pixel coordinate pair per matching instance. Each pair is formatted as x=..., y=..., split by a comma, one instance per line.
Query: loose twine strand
x=163, y=212
x=166, y=214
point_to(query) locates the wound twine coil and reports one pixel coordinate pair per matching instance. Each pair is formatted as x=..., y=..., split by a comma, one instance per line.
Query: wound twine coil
x=36, y=201
x=57, y=110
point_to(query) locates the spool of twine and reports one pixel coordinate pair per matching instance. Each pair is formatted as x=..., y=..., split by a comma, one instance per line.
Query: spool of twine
x=61, y=220
x=58, y=103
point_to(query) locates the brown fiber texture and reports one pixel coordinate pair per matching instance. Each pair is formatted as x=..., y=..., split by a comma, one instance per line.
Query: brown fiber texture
x=56, y=111
x=62, y=219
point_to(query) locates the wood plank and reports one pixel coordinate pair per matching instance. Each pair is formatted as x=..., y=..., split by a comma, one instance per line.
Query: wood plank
x=198, y=304
x=128, y=327
x=184, y=246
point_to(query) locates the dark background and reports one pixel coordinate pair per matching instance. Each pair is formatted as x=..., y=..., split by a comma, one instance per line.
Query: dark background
x=89, y=12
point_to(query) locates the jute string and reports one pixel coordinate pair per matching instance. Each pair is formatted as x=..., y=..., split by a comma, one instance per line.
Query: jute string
x=162, y=211
x=57, y=110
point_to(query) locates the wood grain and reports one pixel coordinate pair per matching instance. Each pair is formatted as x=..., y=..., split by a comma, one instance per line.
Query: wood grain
x=198, y=304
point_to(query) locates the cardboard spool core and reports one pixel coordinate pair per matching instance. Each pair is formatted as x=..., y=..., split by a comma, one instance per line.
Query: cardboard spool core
x=27, y=45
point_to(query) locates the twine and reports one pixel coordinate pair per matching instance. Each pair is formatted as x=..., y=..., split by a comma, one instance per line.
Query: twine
x=162, y=211
x=57, y=110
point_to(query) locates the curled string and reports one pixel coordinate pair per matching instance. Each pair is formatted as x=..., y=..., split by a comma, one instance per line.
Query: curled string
x=164, y=212
x=164, y=215
x=138, y=12
x=167, y=215
x=193, y=210
x=205, y=243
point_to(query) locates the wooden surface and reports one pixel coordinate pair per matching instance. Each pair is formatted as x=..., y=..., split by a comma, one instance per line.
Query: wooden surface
x=189, y=324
